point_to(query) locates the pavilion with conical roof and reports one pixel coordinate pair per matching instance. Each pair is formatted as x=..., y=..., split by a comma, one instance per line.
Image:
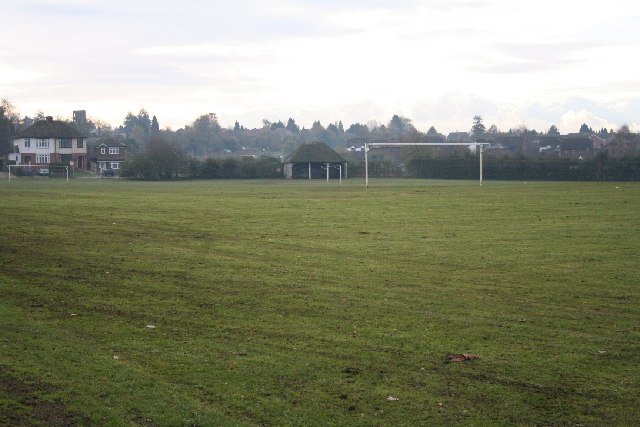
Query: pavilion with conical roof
x=315, y=160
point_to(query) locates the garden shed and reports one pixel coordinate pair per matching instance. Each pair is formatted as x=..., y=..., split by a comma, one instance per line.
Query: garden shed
x=315, y=160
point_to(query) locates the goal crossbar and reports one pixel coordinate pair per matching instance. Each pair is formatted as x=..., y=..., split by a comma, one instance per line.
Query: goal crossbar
x=367, y=145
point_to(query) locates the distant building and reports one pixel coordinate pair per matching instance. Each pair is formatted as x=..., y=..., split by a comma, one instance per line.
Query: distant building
x=578, y=147
x=314, y=160
x=356, y=144
x=107, y=154
x=598, y=143
x=50, y=141
x=459, y=137
x=80, y=116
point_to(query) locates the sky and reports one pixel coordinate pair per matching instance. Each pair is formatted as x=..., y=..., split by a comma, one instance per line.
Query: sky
x=437, y=62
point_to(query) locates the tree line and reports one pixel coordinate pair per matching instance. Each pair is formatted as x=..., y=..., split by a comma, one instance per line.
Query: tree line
x=205, y=136
x=204, y=148
x=161, y=160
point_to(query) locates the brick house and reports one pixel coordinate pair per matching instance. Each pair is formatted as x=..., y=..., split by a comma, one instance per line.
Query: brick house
x=107, y=154
x=576, y=147
x=50, y=141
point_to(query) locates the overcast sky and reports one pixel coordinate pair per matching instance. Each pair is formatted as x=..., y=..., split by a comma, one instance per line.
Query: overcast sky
x=437, y=62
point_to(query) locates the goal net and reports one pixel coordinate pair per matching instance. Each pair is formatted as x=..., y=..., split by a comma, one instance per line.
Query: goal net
x=30, y=170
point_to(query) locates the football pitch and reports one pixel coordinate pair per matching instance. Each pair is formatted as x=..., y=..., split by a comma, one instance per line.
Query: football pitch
x=315, y=303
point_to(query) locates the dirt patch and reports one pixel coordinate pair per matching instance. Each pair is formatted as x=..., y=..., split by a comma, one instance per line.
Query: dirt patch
x=22, y=403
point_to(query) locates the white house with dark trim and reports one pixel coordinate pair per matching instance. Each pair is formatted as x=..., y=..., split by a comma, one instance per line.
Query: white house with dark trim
x=50, y=141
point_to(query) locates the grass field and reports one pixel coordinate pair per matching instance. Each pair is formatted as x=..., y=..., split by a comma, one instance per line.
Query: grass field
x=307, y=303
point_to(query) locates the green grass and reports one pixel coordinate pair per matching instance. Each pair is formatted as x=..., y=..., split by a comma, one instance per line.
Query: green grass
x=292, y=303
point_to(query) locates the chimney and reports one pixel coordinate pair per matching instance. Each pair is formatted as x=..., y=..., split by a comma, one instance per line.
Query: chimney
x=49, y=119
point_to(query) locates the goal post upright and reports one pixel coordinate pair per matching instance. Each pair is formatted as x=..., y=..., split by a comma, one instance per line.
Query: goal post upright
x=29, y=166
x=66, y=168
x=480, y=148
x=366, y=166
x=479, y=145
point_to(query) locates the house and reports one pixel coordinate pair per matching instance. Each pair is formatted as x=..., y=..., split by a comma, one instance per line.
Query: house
x=356, y=144
x=598, y=143
x=107, y=154
x=549, y=145
x=48, y=142
x=459, y=137
x=314, y=160
x=576, y=147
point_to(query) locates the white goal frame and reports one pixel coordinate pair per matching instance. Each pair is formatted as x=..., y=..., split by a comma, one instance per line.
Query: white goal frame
x=36, y=167
x=405, y=144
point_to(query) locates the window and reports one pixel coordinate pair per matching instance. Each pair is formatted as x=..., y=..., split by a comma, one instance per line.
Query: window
x=42, y=159
x=115, y=165
x=42, y=143
x=102, y=150
x=114, y=150
x=27, y=142
x=65, y=158
x=102, y=165
x=65, y=143
x=80, y=143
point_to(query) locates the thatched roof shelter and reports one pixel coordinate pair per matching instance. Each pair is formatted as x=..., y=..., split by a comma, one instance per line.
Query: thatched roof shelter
x=314, y=160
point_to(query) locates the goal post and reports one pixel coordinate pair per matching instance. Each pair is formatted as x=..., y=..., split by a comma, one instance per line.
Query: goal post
x=66, y=168
x=31, y=168
x=479, y=145
x=28, y=167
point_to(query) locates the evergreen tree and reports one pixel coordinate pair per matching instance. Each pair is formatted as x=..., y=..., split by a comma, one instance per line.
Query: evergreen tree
x=138, y=126
x=585, y=129
x=399, y=126
x=396, y=126
x=292, y=126
x=155, y=126
x=478, y=129
x=358, y=130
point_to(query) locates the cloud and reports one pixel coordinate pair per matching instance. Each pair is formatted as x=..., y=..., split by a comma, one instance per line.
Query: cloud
x=569, y=114
x=60, y=8
x=209, y=50
x=572, y=120
x=536, y=57
x=454, y=105
x=438, y=62
x=12, y=76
